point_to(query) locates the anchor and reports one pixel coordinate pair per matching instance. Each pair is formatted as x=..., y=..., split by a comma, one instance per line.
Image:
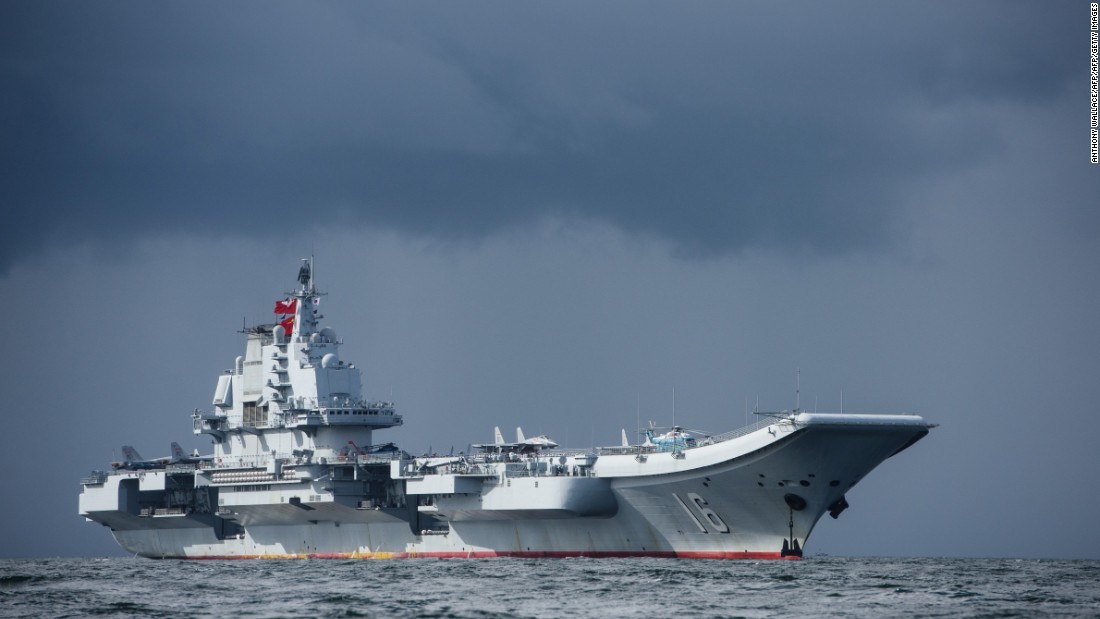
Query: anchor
x=791, y=547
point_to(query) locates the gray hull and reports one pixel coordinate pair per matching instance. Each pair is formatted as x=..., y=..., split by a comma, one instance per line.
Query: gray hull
x=730, y=499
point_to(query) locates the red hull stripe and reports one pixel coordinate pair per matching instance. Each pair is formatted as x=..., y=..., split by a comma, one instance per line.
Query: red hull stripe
x=491, y=554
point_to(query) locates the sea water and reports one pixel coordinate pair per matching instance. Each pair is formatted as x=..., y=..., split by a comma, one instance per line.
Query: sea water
x=812, y=587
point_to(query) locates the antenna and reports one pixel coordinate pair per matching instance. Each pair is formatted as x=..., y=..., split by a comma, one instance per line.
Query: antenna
x=674, y=407
x=305, y=275
x=797, y=387
x=841, y=401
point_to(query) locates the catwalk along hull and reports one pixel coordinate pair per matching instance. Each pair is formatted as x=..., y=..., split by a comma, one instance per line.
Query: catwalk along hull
x=289, y=478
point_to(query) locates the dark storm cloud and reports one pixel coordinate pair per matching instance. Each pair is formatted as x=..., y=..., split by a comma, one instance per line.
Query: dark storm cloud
x=716, y=126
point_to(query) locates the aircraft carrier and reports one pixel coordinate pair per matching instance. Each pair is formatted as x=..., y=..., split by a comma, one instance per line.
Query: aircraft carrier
x=296, y=472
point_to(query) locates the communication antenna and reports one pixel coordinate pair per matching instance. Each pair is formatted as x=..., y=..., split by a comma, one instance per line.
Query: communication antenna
x=797, y=389
x=674, y=407
x=841, y=401
x=305, y=274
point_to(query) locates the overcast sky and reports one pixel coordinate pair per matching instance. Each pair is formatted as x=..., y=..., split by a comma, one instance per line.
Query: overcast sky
x=554, y=215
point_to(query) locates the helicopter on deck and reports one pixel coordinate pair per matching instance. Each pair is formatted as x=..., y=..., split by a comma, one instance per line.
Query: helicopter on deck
x=674, y=438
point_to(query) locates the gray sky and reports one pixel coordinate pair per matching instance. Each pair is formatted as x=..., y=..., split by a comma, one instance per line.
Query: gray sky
x=541, y=215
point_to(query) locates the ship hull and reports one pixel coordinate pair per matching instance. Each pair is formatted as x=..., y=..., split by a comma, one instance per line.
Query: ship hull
x=727, y=500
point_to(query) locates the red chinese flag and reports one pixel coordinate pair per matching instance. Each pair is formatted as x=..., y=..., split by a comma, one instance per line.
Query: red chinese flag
x=286, y=307
x=288, y=324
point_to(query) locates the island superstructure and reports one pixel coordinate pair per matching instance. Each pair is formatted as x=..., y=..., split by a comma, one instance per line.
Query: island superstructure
x=297, y=472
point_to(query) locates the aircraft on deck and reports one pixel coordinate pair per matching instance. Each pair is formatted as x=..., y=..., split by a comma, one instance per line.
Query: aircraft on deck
x=522, y=446
x=178, y=457
x=134, y=462
x=676, y=438
x=382, y=449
